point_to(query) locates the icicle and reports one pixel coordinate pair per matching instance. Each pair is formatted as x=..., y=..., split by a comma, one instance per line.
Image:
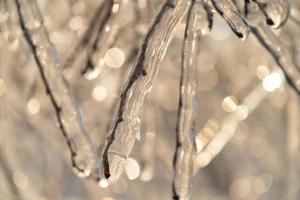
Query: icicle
x=230, y=124
x=197, y=21
x=128, y=116
x=50, y=69
x=231, y=15
x=276, y=12
x=282, y=57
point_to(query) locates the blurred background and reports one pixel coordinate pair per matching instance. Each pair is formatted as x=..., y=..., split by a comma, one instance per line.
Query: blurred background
x=235, y=78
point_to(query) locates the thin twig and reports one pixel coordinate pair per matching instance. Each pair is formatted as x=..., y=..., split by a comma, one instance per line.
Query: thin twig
x=94, y=47
x=279, y=7
x=229, y=127
x=88, y=36
x=274, y=47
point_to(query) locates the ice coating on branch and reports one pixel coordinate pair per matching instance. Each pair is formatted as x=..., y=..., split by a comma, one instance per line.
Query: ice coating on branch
x=105, y=37
x=229, y=126
x=276, y=12
x=62, y=100
x=204, y=20
x=197, y=21
x=231, y=15
x=252, y=13
x=280, y=54
x=128, y=116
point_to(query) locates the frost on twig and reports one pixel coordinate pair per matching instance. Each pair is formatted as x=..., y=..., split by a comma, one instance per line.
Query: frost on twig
x=62, y=100
x=198, y=20
x=126, y=124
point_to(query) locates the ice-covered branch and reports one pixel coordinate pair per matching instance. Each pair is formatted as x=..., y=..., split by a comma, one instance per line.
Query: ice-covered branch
x=89, y=65
x=280, y=54
x=197, y=21
x=231, y=123
x=62, y=100
x=126, y=124
x=276, y=12
x=231, y=15
x=88, y=36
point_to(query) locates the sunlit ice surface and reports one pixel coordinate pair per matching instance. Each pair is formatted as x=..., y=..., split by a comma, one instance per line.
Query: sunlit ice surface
x=224, y=95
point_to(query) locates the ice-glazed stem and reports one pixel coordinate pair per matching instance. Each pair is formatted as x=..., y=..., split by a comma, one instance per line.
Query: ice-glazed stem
x=62, y=100
x=231, y=15
x=89, y=65
x=89, y=36
x=228, y=128
x=246, y=7
x=197, y=20
x=276, y=12
x=280, y=54
x=126, y=124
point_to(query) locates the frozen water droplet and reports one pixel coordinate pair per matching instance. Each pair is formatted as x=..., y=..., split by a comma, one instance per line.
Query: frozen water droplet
x=103, y=183
x=132, y=169
x=81, y=174
x=138, y=136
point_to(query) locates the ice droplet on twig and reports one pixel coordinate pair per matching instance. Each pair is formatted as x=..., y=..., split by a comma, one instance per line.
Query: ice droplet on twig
x=132, y=169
